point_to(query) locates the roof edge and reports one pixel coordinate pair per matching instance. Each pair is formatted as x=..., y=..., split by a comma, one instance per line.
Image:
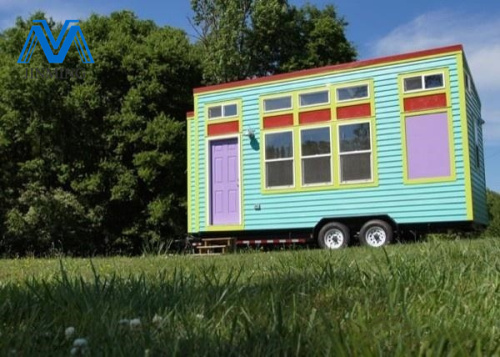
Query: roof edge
x=330, y=68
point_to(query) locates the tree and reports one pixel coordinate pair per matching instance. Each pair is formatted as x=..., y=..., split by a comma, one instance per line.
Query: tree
x=247, y=38
x=98, y=160
x=493, y=201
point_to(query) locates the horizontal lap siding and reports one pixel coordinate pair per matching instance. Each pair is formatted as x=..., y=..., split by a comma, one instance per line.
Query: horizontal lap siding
x=477, y=173
x=435, y=202
x=192, y=176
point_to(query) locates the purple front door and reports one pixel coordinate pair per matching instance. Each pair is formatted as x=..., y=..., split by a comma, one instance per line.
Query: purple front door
x=224, y=182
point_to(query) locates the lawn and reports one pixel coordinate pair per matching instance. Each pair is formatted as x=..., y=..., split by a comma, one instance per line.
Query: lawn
x=436, y=298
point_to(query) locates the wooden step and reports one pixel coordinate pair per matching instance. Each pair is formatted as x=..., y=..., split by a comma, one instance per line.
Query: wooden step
x=211, y=246
x=211, y=249
x=216, y=245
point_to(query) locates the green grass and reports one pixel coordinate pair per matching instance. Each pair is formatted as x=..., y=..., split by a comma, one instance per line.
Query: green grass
x=439, y=298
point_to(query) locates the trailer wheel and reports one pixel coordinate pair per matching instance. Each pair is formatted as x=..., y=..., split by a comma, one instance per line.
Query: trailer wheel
x=376, y=233
x=334, y=235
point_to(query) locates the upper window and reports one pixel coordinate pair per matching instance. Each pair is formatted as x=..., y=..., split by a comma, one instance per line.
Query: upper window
x=352, y=93
x=355, y=152
x=468, y=84
x=476, y=142
x=222, y=111
x=316, y=156
x=280, y=103
x=279, y=159
x=314, y=98
x=428, y=81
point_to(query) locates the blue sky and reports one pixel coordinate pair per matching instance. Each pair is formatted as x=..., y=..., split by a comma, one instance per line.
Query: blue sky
x=377, y=28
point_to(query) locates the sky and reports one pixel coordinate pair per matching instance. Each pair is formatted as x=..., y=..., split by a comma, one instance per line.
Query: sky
x=377, y=28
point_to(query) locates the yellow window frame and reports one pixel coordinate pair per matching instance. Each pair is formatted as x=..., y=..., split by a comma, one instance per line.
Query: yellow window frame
x=404, y=114
x=237, y=117
x=351, y=102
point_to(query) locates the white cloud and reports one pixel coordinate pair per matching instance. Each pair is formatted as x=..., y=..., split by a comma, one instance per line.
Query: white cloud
x=480, y=36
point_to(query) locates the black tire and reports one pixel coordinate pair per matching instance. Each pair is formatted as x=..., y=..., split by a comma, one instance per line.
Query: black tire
x=376, y=233
x=334, y=235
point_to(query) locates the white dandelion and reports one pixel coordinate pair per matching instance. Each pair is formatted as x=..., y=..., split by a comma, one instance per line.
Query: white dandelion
x=124, y=322
x=157, y=319
x=80, y=342
x=69, y=332
x=80, y=346
x=135, y=324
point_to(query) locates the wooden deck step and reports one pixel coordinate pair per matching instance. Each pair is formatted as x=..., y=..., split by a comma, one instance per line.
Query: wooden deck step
x=219, y=245
x=212, y=246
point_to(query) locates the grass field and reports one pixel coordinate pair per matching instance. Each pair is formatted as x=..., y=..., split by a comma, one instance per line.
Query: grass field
x=438, y=298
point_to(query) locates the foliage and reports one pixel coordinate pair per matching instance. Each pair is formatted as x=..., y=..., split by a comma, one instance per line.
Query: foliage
x=493, y=201
x=95, y=164
x=247, y=38
x=434, y=299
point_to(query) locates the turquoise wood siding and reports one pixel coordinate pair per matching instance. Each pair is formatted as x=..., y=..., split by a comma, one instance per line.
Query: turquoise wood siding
x=191, y=172
x=478, y=176
x=406, y=203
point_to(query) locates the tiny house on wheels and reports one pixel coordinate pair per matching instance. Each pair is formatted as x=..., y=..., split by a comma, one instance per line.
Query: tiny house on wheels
x=366, y=150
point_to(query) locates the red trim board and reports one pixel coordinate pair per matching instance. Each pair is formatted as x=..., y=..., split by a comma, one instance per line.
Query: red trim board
x=354, y=111
x=425, y=102
x=278, y=121
x=314, y=116
x=223, y=128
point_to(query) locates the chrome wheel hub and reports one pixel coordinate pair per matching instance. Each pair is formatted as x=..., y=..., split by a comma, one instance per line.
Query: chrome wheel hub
x=334, y=238
x=376, y=237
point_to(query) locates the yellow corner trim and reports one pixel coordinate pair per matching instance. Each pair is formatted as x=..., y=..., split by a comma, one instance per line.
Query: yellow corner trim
x=465, y=136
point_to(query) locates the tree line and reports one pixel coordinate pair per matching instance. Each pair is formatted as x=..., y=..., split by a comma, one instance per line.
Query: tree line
x=95, y=163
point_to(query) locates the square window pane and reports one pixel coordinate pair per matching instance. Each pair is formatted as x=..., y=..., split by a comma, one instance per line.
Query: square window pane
x=355, y=167
x=279, y=145
x=413, y=83
x=355, y=92
x=279, y=173
x=354, y=137
x=315, y=141
x=314, y=98
x=215, y=112
x=434, y=81
x=316, y=170
x=230, y=110
x=278, y=103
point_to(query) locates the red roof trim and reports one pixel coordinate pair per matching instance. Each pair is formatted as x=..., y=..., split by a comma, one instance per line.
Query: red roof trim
x=331, y=68
x=189, y=114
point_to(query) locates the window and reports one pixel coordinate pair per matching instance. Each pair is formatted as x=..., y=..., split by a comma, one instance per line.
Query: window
x=279, y=159
x=316, y=156
x=476, y=142
x=315, y=98
x=275, y=104
x=468, y=84
x=429, y=81
x=353, y=92
x=222, y=111
x=355, y=152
